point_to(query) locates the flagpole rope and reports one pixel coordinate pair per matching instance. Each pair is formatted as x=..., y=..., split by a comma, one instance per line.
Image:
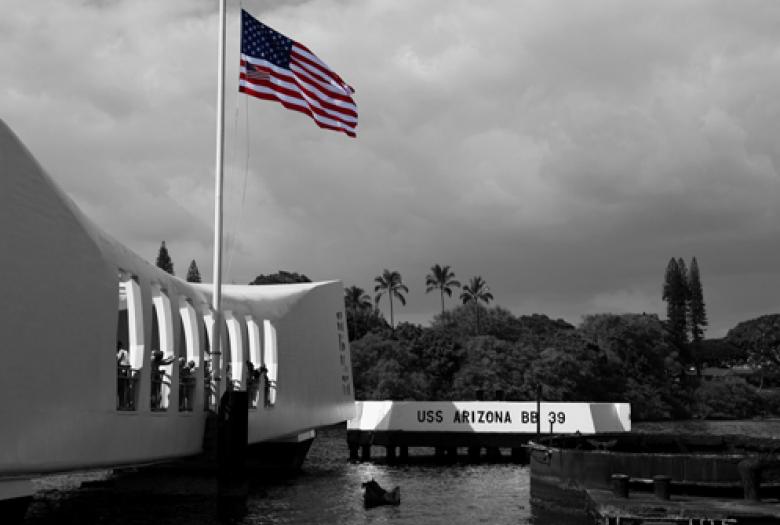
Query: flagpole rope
x=246, y=157
x=242, y=206
x=229, y=250
x=239, y=220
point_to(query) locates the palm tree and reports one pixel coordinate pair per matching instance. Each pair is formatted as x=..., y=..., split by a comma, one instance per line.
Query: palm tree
x=442, y=279
x=477, y=290
x=356, y=299
x=390, y=282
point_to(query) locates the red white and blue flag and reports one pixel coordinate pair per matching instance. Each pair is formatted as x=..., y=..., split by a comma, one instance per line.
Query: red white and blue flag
x=275, y=67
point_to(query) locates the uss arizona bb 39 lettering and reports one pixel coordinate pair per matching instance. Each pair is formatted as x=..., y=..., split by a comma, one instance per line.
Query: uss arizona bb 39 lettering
x=499, y=416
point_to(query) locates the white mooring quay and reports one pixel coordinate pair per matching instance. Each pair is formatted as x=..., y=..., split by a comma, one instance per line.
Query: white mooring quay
x=447, y=425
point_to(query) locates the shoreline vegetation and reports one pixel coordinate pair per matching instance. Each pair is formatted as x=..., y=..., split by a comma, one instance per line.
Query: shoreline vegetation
x=664, y=368
x=630, y=358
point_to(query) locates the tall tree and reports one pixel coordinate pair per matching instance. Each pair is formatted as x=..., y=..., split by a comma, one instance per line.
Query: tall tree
x=390, y=282
x=193, y=274
x=696, y=310
x=477, y=290
x=443, y=279
x=362, y=315
x=356, y=299
x=675, y=295
x=686, y=291
x=164, y=260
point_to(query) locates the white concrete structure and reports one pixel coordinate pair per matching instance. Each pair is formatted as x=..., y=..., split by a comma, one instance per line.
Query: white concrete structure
x=69, y=292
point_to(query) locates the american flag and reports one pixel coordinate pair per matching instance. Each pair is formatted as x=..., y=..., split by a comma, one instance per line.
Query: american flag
x=275, y=67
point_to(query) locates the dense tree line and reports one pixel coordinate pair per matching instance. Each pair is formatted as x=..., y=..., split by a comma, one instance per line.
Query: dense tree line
x=473, y=351
x=607, y=358
x=281, y=277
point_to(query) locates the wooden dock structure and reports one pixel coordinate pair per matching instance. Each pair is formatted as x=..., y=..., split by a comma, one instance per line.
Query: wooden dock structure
x=644, y=508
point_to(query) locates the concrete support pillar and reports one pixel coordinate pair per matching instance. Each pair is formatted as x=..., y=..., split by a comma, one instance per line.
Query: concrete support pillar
x=390, y=453
x=404, y=453
x=353, y=452
x=620, y=485
x=661, y=486
x=475, y=454
x=365, y=453
x=750, y=471
x=493, y=453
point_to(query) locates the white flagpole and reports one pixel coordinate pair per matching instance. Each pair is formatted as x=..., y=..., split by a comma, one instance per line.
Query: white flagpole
x=216, y=345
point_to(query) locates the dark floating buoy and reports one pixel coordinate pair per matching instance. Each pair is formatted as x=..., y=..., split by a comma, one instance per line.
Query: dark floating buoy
x=375, y=495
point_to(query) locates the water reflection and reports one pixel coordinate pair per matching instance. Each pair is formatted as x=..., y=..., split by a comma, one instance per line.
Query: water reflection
x=429, y=494
x=328, y=491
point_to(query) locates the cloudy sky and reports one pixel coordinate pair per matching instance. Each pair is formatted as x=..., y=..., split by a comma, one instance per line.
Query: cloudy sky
x=563, y=150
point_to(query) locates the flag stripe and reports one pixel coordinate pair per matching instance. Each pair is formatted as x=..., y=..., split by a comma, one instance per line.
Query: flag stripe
x=295, y=76
x=290, y=91
x=317, y=68
x=313, y=90
x=335, y=93
x=290, y=94
x=287, y=85
x=296, y=104
x=291, y=85
x=307, y=52
x=345, y=114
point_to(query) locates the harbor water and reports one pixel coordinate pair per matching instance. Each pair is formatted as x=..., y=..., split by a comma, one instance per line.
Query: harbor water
x=326, y=491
